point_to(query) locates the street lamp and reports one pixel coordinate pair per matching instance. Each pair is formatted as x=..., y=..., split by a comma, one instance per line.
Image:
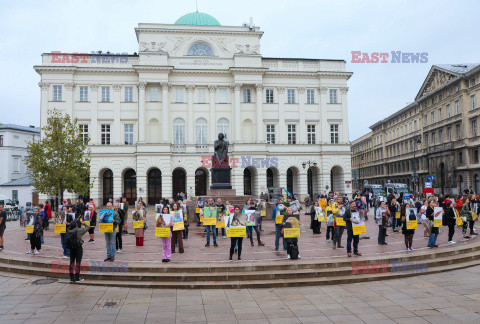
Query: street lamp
x=310, y=163
x=309, y=175
x=416, y=140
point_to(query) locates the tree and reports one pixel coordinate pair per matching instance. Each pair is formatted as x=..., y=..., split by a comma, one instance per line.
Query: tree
x=60, y=160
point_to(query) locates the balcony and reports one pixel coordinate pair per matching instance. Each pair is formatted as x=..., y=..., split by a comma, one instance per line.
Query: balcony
x=439, y=148
x=201, y=148
x=178, y=148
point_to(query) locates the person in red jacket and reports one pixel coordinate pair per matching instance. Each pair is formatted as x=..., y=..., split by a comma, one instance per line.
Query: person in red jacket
x=48, y=209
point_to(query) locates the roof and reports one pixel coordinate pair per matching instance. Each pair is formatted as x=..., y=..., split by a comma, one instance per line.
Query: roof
x=197, y=19
x=20, y=128
x=457, y=68
x=25, y=181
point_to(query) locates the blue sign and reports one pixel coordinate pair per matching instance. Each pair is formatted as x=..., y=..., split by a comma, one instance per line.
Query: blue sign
x=431, y=177
x=428, y=185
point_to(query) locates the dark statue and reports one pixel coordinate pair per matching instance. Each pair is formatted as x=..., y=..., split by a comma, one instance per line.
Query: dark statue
x=220, y=166
x=221, y=148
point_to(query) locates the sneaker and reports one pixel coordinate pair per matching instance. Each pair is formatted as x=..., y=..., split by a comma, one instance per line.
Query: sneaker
x=239, y=259
x=408, y=250
x=215, y=244
x=90, y=241
x=224, y=237
x=412, y=249
x=65, y=257
x=466, y=237
x=261, y=244
x=299, y=256
x=1, y=248
x=36, y=253
x=80, y=279
x=28, y=252
x=111, y=260
x=452, y=242
x=208, y=244
x=357, y=253
x=474, y=233
x=72, y=281
x=119, y=251
x=167, y=260
x=106, y=260
x=163, y=260
x=349, y=254
x=329, y=241
x=230, y=260
x=288, y=256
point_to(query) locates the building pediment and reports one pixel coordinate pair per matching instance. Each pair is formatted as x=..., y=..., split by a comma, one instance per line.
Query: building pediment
x=436, y=78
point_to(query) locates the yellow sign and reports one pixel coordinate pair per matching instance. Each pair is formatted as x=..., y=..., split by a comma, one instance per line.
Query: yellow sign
x=474, y=216
x=201, y=219
x=437, y=223
x=178, y=226
x=60, y=228
x=209, y=221
x=86, y=223
x=138, y=224
x=221, y=224
x=459, y=221
x=397, y=215
x=29, y=229
x=197, y=210
x=291, y=232
x=105, y=228
x=340, y=221
x=162, y=231
x=263, y=213
x=412, y=224
x=237, y=232
x=321, y=217
x=279, y=219
x=359, y=229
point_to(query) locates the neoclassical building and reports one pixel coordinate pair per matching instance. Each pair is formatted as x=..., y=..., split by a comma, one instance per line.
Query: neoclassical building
x=152, y=117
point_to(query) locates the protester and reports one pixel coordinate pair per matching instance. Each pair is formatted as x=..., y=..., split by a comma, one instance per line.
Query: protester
x=166, y=241
x=199, y=204
x=121, y=214
x=111, y=238
x=220, y=209
x=466, y=215
x=434, y=230
x=3, y=224
x=280, y=211
x=348, y=218
x=251, y=228
x=93, y=222
x=423, y=215
x=125, y=213
x=210, y=228
x=315, y=224
x=381, y=218
x=291, y=221
x=450, y=220
x=65, y=218
x=35, y=237
x=235, y=242
x=177, y=235
x=408, y=214
x=76, y=229
x=139, y=214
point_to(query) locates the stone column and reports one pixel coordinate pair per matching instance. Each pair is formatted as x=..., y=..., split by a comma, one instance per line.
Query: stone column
x=96, y=190
x=117, y=184
x=236, y=177
x=302, y=127
x=142, y=123
x=324, y=126
x=259, y=112
x=303, y=181
x=69, y=86
x=213, y=119
x=142, y=185
x=190, y=117
x=344, y=131
x=190, y=185
x=261, y=183
x=282, y=126
x=165, y=116
x=94, y=128
x=236, y=114
x=44, y=86
x=117, y=127
x=167, y=183
x=282, y=178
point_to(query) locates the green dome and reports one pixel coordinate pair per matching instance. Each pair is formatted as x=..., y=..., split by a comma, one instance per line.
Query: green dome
x=197, y=18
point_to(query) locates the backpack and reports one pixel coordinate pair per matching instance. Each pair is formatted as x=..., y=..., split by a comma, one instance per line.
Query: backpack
x=72, y=242
x=293, y=252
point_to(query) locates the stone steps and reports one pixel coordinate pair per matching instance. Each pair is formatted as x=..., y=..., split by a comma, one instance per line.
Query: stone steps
x=283, y=273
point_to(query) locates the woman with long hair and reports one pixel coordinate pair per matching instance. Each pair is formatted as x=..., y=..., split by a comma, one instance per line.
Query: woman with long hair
x=177, y=235
x=166, y=241
x=139, y=214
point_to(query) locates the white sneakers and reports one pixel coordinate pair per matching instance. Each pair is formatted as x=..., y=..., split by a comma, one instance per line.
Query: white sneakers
x=288, y=256
x=452, y=242
x=65, y=257
x=36, y=253
x=119, y=251
x=28, y=252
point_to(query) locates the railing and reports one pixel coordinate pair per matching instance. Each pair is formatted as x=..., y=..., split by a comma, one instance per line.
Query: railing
x=439, y=148
x=178, y=148
x=201, y=148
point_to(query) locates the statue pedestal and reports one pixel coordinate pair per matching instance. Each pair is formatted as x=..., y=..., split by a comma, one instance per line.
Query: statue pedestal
x=221, y=178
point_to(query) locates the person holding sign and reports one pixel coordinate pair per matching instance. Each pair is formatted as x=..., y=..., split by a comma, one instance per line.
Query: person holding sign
x=450, y=219
x=109, y=216
x=253, y=218
x=139, y=218
x=409, y=217
x=164, y=220
x=466, y=215
x=77, y=228
x=93, y=222
x=431, y=215
x=209, y=214
x=178, y=226
x=35, y=237
x=381, y=219
x=474, y=203
x=316, y=217
x=199, y=204
x=236, y=220
x=394, y=213
x=290, y=223
x=351, y=215
x=280, y=211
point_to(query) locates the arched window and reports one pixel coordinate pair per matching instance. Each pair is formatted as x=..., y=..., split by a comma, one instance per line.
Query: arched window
x=179, y=131
x=200, y=49
x=223, y=126
x=201, y=134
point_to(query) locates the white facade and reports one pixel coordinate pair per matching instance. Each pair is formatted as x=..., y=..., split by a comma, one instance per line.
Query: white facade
x=169, y=102
x=13, y=150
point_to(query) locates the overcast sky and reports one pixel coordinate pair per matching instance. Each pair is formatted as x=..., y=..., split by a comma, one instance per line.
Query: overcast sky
x=446, y=30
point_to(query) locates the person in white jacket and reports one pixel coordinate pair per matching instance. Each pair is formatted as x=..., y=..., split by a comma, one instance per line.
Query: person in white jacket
x=381, y=220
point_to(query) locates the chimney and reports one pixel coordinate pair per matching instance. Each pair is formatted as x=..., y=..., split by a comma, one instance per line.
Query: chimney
x=251, y=22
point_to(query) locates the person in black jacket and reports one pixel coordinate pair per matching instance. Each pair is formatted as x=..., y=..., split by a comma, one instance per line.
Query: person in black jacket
x=76, y=254
x=315, y=225
x=450, y=219
x=356, y=238
x=119, y=241
x=432, y=241
x=408, y=214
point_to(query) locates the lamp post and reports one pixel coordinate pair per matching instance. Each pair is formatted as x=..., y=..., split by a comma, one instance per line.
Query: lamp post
x=309, y=178
x=416, y=140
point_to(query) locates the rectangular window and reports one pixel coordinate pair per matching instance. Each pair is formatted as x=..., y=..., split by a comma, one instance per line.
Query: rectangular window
x=269, y=96
x=457, y=106
x=457, y=88
x=57, y=93
x=1, y=140
x=222, y=95
x=271, y=134
x=311, y=134
x=128, y=94
x=472, y=97
x=432, y=115
x=449, y=113
x=440, y=114
x=202, y=95
x=440, y=136
x=474, y=127
x=334, y=133
x=310, y=96
x=460, y=158
x=449, y=134
x=434, y=138
x=475, y=156
x=105, y=132
x=14, y=195
x=458, y=132
x=83, y=94
x=179, y=134
x=415, y=125
x=178, y=95
x=247, y=95
x=105, y=94
x=291, y=96
x=83, y=132
x=292, y=134
x=426, y=120
x=333, y=96
x=153, y=94
x=128, y=134
x=426, y=139
x=16, y=165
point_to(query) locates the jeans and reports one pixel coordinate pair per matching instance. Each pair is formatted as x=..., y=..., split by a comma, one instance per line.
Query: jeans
x=432, y=240
x=330, y=229
x=75, y=261
x=394, y=223
x=381, y=234
x=119, y=241
x=339, y=233
x=250, y=233
x=110, y=239
x=211, y=228
x=355, y=238
x=63, y=238
x=278, y=234
x=223, y=231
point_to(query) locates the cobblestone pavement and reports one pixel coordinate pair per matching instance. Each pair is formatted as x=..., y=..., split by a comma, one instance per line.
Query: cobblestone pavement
x=448, y=297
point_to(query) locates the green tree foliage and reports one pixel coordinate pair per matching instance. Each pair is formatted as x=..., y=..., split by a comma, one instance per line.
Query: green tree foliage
x=60, y=160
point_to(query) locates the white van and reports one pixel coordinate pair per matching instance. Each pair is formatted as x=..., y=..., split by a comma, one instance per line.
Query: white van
x=397, y=188
x=376, y=189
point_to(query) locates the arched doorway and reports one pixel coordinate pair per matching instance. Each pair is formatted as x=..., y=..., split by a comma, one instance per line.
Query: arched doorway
x=247, y=182
x=310, y=182
x=476, y=180
x=107, y=186
x=179, y=181
x=460, y=183
x=130, y=186
x=442, y=178
x=154, y=186
x=337, y=182
x=290, y=180
x=200, y=182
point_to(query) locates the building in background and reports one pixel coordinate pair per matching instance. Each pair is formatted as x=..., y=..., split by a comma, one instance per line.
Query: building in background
x=436, y=135
x=13, y=150
x=152, y=117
